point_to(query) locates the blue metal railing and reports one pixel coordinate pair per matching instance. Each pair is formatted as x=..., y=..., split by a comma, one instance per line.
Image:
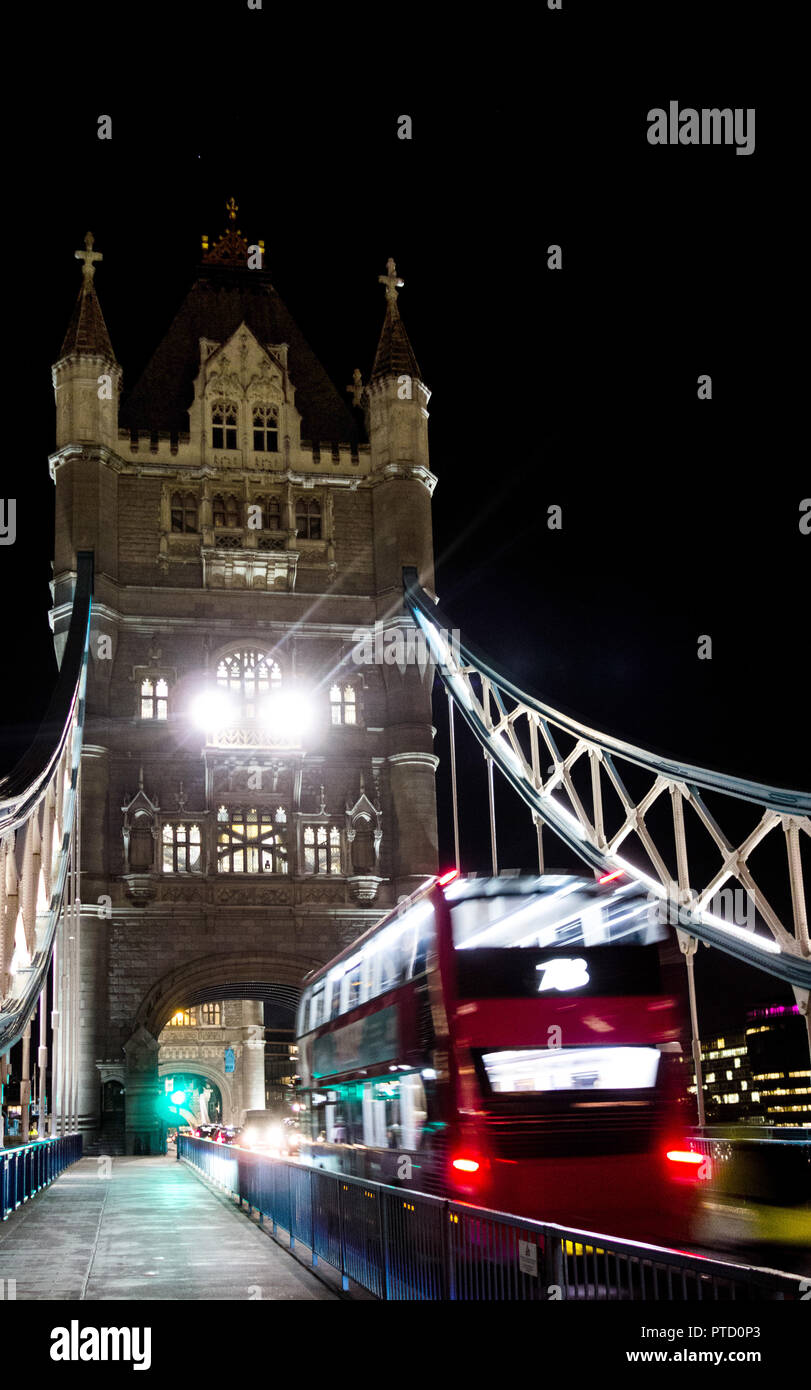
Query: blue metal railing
x=26, y=1170
x=399, y=1244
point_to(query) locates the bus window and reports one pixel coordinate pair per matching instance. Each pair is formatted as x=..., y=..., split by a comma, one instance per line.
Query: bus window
x=346, y=1124
x=367, y=972
x=374, y=1115
x=390, y=966
x=424, y=935
x=334, y=991
x=317, y=1005
x=303, y=1013
x=350, y=985
x=394, y=1112
x=413, y=1110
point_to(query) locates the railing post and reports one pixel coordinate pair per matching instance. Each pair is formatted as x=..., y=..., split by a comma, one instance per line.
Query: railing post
x=310, y=1172
x=344, y=1280
x=449, y=1290
x=383, y=1226
x=553, y=1259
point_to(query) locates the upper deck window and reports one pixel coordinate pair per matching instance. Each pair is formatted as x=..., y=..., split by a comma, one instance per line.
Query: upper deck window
x=389, y=958
x=566, y=912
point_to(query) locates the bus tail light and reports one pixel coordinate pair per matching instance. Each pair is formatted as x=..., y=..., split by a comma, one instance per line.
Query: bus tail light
x=447, y=877
x=687, y=1165
x=466, y=1165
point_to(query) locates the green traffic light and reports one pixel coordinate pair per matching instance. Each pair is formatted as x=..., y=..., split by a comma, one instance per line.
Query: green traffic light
x=178, y=1097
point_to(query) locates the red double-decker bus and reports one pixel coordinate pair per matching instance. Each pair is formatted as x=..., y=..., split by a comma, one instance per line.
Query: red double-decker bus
x=505, y=1042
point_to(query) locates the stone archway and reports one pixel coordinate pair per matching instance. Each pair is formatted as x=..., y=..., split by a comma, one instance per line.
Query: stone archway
x=210, y=1071
x=170, y=992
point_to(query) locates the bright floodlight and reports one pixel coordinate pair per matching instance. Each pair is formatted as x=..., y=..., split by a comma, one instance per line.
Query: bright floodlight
x=288, y=716
x=212, y=709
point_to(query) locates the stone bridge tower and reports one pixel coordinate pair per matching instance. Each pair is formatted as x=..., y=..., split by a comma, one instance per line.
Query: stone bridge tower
x=254, y=795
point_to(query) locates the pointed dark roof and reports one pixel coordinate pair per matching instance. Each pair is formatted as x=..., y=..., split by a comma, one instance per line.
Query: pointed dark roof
x=87, y=331
x=222, y=297
x=395, y=355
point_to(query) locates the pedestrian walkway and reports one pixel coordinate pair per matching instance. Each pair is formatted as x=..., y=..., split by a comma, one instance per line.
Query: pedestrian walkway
x=151, y=1230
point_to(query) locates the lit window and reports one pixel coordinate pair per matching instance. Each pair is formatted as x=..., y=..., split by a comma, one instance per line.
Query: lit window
x=252, y=842
x=154, y=698
x=184, y=1018
x=343, y=702
x=181, y=848
x=308, y=518
x=211, y=1014
x=252, y=674
x=265, y=429
x=322, y=849
x=184, y=511
x=224, y=425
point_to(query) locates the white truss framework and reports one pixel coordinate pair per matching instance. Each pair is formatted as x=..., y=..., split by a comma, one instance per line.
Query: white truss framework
x=39, y=878
x=577, y=781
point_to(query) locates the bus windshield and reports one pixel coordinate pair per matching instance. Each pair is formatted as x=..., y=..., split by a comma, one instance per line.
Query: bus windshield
x=565, y=911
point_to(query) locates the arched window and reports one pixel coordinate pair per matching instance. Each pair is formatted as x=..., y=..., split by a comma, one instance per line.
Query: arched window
x=184, y=511
x=154, y=698
x=224, y=425
x=308, y=518
x=218, y=510
x=231, y=511
x=251, y=674
x=211, y=1014
x=265, y=429
x=343, y=702
x=322, y=849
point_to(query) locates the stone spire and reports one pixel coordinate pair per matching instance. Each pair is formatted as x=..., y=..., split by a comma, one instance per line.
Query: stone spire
x=395, y=355
x=87, y=332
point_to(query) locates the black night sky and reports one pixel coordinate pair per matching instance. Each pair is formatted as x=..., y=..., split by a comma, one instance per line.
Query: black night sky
x=577, y=388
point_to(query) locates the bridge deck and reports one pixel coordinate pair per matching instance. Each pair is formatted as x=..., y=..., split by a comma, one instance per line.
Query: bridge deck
x=152, y=1230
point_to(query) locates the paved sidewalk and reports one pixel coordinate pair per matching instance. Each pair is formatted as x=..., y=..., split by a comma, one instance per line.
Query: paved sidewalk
x=152, y=1230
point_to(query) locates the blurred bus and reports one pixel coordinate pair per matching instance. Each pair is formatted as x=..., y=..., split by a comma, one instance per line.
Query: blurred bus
x=505, y=1042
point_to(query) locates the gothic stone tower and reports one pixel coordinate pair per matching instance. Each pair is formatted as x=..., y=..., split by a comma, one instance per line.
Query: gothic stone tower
x=245, y=534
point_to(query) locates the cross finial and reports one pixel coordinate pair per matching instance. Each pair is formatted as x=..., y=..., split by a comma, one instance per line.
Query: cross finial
x=232, y=208
x=392, y=281
x=89, y=256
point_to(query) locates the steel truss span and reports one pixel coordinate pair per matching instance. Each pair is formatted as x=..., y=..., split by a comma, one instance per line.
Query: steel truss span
x=574, y=780
x=39, y=855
